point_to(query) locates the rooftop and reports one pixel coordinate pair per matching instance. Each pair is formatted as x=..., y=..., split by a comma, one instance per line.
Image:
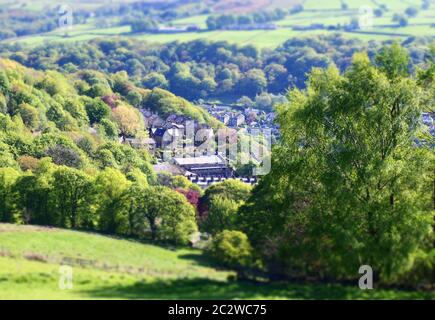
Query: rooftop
x=202, y=160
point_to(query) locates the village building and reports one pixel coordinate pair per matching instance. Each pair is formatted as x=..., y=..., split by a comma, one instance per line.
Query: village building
x=205, y=166
x=224, y=118
x=237, y=121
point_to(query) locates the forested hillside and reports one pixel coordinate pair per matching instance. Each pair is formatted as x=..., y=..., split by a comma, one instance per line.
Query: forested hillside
x=62, y=162
x=202, y=69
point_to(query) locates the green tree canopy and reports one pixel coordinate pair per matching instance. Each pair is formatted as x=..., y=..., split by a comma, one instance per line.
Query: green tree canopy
x=348, y=184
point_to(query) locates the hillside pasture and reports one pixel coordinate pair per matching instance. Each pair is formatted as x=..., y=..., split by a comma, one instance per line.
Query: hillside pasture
x=106, y=267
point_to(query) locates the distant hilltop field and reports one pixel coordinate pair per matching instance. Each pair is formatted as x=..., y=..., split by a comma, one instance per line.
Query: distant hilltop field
x=263, y=23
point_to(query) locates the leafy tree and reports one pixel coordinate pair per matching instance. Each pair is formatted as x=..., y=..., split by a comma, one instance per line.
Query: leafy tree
x=109, y=129
x=72, y=194
x=348, y=185
x=393, y=60
x=246, y=170
x=245, y=102
x=411, y=12
x=29, y=115
x=296, y=9
x=77, y=109
x=144, y=25
x=221, y=215
x=61, y=118
x=254, y=82
x=128, y=120
x=229, y=189
x=276, y=77
x=8, y=177
x=87, y=144
x=33, y=195
x=134, y=98
x=378, y=12
x=98, y=90
x=63, y=155
x=192, y=196
x=110, y=185
x=155, y=80
x=138, y=177
x=263, y=101
x=5, y=85
x=97, y=110
x=232, y=249
x=163, y=214
x=219, y=204
x=401, y=20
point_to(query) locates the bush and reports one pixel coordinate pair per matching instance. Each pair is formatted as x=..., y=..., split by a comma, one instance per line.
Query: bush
x=221, y=215
x=422, y=271
x=232, y=249
x=411, y=12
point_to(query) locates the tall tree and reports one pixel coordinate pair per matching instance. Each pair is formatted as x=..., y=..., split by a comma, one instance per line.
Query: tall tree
x=110, y=185
x=348, y=185
x=8, y=177
x=128, y=120
x=161, y=213
x=72, y=194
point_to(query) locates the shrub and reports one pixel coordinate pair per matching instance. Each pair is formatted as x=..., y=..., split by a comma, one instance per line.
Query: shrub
x=232, y=249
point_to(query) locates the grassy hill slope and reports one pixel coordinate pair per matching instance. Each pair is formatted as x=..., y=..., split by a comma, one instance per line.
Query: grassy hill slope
x=110, y=268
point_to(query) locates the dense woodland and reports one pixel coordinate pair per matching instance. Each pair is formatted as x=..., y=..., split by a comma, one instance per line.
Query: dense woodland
x=349, y=185
x=62, y=163
x=205, y=70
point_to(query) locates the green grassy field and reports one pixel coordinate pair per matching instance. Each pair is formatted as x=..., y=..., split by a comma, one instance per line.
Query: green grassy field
x=111, y=268
x=37, y=5
x=328, y=13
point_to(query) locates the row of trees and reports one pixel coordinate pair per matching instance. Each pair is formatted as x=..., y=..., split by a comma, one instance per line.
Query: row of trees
x=228, y=20
x=108, y=202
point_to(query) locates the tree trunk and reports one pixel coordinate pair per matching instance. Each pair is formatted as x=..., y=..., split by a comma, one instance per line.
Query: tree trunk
x=153, y=227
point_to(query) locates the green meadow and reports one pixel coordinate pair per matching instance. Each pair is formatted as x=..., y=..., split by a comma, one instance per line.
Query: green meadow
x=112, y=268
x=328, y=13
